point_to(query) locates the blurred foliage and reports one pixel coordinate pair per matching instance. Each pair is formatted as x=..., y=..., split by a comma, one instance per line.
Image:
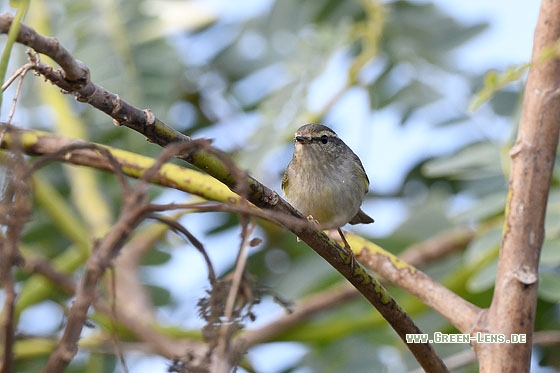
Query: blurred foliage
x=248, y=80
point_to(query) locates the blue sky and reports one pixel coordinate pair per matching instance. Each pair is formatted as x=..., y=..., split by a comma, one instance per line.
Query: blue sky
x=510, y=37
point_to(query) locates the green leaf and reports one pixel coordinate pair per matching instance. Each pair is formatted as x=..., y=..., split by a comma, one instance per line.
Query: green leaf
x=429, y=43
x=550, y=254
x=494, y=81
x=155, y=257
x=480, y=160
x=505, y=103
x=485, y=207
x=552, y=222
x=160, y=296
x=483, y=252
x=549, y=287
x=483, y=245
x=484, y=279
x=416, y=94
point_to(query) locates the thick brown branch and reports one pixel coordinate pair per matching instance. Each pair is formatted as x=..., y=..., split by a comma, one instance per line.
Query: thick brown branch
x=74, y=77
x=372, y=290
x=532, y=160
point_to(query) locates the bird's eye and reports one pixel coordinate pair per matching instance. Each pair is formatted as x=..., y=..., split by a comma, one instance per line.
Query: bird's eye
x=324, y=139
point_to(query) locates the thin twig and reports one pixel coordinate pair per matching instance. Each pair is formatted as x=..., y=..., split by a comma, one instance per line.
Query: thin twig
x=17, y=74
x=24, y=71
x=135, y=210
x=100, y=260
x=178, y=228
x=65, y=153
x=223, y=341
x=114, y=334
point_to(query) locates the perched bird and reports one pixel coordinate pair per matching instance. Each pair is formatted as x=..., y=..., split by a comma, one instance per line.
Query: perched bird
x=325, y=180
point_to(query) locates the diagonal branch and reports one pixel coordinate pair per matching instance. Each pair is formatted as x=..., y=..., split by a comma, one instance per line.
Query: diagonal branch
x=417, y=283
x=416, y=255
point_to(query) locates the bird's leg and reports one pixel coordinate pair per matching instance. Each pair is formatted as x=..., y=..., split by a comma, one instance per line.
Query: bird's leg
x=346, y=245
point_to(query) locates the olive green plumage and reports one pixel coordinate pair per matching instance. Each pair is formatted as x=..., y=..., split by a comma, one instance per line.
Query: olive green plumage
x=325, y=179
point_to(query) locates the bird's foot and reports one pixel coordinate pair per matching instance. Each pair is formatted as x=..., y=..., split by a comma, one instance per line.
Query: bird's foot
x=313, y=220
x=346, y=244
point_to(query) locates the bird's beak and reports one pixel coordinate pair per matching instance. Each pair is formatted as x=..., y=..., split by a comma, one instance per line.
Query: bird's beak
x=303, y=139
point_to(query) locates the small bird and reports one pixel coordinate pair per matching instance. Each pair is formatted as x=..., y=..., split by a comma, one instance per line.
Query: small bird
x=325, y=180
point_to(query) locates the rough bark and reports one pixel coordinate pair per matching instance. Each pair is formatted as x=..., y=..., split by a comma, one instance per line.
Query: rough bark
x=532, y=160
